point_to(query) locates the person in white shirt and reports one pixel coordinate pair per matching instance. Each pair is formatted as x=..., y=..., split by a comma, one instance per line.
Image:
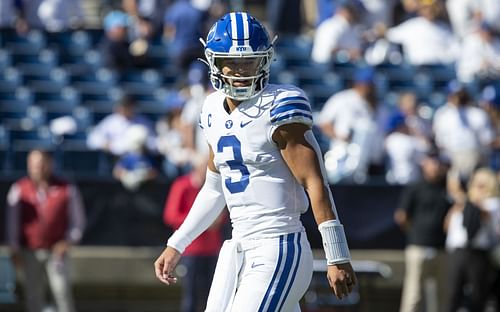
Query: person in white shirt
x=479, y=56
x=404, y=151
x=462, y=131
x=425, y=40
x=339, y=34
x=352, y=120
x=109, y=135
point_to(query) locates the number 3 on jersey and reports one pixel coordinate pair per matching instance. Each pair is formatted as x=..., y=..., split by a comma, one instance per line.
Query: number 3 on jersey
x=235, y=164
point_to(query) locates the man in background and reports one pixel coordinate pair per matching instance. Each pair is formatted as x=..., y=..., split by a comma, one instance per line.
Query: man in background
x=421, y=213
x=45, y=217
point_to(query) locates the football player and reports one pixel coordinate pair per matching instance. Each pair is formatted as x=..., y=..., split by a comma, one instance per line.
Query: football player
x=263, y=159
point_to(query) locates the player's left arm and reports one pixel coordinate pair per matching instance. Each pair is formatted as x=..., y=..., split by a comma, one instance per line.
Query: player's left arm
x=301, y=153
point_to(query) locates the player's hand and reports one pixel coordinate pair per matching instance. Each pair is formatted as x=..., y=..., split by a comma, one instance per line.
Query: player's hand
x=165, y=265
x=341, y=278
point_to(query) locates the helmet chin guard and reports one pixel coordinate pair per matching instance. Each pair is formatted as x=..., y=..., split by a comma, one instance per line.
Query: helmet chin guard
x=238, y=35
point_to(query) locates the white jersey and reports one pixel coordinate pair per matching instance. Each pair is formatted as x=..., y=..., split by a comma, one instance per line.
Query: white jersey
x=263, y=197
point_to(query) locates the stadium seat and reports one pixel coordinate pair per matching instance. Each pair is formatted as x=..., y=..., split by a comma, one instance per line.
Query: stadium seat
x=10, y=78
x=441, y=74
x=70, y=43
x=5, y=59
x=34, y=41
x=294, y=50
x=5, y=162
x=141, y=80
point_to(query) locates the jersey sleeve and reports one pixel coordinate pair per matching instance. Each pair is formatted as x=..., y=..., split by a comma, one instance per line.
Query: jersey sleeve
x=291, y=106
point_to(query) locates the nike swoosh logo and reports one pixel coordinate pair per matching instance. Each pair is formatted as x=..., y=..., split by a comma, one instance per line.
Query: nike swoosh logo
x=256, y=265
x=243, y=124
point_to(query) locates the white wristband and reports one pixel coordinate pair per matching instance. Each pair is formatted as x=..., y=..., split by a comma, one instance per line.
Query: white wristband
x=334, y=242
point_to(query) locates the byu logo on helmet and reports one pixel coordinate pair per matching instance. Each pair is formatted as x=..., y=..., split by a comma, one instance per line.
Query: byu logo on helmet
x=238, y=35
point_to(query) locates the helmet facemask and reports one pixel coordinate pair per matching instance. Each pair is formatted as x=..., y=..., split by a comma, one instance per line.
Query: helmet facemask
x=246, y=74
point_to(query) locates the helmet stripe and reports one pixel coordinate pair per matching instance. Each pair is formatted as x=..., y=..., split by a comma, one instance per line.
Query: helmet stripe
x=246, y=26
x=239, y=25
x=234, y=30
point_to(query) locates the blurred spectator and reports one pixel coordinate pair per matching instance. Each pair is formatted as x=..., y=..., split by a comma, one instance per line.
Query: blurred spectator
x=379, y=12
x=29, y=13
x=60, y=15
x=488, y=11
x=149, y=13
x=172, y=134
x=183, y=37
x=490, y=101
x=11, y=15
x=45, y=216
x=110, y=136
x=284, y=17
x=114, y=47
x=199, y=258
x=473, y=227
x=338, y=36
x=462, y=131
x=325, y=10
x=421, y=213
x=418, y=126
x=479, y=57
x=461, y=15
x=404, y=10
x=352, y=120
x=117, y=51
x=135, y=166
x=404, y=151
x=425, y=39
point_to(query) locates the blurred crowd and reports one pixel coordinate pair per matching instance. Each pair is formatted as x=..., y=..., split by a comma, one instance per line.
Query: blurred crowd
x=373, y=126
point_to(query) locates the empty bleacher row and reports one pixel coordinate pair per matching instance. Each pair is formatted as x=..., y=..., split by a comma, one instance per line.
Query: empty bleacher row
x=48, y=75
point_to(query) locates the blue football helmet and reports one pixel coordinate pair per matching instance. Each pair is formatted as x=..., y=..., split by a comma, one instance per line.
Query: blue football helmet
x=238, y=36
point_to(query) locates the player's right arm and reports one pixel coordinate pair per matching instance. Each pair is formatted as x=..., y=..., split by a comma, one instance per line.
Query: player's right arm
x=206, y=208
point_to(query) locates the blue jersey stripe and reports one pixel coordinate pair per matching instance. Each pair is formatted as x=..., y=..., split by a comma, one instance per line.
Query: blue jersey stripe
x=292, y=280
x=286, y=272
x=289, y=99
x=275, y=274
x=239, y=26
x=289, y=107
x=291, y=115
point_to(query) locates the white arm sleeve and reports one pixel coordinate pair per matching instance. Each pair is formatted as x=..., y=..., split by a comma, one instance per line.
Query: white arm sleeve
x=206, y=208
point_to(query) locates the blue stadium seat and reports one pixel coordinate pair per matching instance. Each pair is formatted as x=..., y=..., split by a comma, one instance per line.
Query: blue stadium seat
x=295, y=50
x=83, y=118
x=70, y=43
x=92, y=92
x=15, y=106
x=400, y=77
x=5, y=59
x=141, y=80
x=5, y=159
x=33, y=41
x=437, y=99
x=284, y=77
x=10, y=78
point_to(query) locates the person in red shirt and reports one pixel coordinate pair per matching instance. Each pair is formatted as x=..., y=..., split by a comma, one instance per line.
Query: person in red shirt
x=45, y=217
x=199, y=258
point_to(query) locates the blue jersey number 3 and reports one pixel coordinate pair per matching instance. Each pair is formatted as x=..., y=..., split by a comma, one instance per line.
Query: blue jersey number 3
x=235, y=164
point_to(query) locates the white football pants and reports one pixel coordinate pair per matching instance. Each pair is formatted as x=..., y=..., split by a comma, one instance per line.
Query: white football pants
x=268, y=274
